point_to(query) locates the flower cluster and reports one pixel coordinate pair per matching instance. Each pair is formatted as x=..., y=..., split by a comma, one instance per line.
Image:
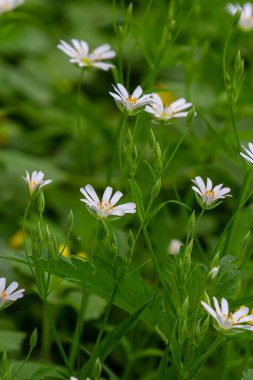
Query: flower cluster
x=132, y=104
x=80, y=54
x=246, y=18
x=8, y=5
x=106, y=206
x=226, y=321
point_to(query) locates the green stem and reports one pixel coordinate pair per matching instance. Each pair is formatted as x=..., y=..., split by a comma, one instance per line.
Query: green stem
x=78, y=123
x=175, y=150
x=22, y=364
x=117, y=143
x=24, y=237
x=157, y=268
x=83, y=305
x=101, y=331
x=119, y=147
x=195, y=367
x=55, y=335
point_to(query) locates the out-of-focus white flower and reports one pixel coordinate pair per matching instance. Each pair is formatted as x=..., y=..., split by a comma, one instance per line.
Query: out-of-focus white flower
x=174, y=247
x=75, y=378
x=8, y=5
x=79, y=54
x=7, y=295
x=225, y=320
x=246, y=19
x=127, y=102
x=105, y=206
x=167, y=113
x=208, y=196
x=249, y=151
x=214, y=272
x=36, y=180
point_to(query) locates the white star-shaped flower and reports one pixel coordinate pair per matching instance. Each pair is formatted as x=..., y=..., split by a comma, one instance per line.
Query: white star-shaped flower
x=8, y=5
x=246, y=19
x=79, y=53
x=130, y=103
x=226, y=321
x=7, y=295
x=36, y=180
x=208, y=196
x=249, y=151
x=106, y=206
x=167, y=113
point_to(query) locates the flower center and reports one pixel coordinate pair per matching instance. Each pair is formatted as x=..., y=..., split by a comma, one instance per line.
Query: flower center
x=105, y=207
x=5, y=6
x=86, y=60
x=132, y=100
x=209, y=193
x=33, y=184
x=3, y=295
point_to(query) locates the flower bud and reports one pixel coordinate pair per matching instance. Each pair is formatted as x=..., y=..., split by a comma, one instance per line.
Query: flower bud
x=156, y=188
x=70, y=220
x=33, y=338
x=41, y=203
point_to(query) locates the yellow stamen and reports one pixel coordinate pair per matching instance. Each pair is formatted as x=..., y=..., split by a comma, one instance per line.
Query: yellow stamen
x=3, y=296
x=131, y=100
x=209, y=193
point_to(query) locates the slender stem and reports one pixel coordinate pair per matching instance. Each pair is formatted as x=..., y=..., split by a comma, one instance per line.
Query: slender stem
x=157, y=268
x=232, y=117
x=117, y=143
x=22, y=364
x=194, y=368
x=24, y=237
x=83, y=303
x=102, y=328
x=119, y=147
x=55, y=335
x=78, y=123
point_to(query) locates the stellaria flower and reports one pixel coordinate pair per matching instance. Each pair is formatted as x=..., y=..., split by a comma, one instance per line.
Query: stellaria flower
x=36, y=180
x=75, y=378
x=225, y=320
x=130, y=103
x=167, y=113
x=105, y=207
x=246, y=19
x=249, y=151
x=8, y=5
x=79, y=53
x=208, y=196
x=7, y=295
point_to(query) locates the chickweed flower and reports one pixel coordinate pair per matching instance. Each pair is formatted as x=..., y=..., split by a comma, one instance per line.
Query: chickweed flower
x=131, y=104
x=7, y=295
x=79, y=53
x=8, y=5
x=226, y=321
x=36, y=180
x=207, y=196
x=249, y=151
x=167, y=113
x=105, y=207
x=246, y=19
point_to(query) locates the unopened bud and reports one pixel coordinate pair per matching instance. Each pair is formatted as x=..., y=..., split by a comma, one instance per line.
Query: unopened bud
x=236, y=18
x=41, y=203
x=214, y=272
x=174, y=247
x=156, y=188
x=33, y=338
x=96, y=371
x=70, y=220
x=191, y=223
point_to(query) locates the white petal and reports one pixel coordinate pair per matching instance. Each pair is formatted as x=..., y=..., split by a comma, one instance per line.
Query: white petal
x=243, y=311
x=11, y=288
x=116, y=197
x=2, y=284
x=137, y=92
x=209, y=309
x=224, y=307
x=217, y=306
x=107, y=194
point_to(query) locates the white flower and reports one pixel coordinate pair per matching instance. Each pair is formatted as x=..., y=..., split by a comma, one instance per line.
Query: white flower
x=208, y=196
x=167, y=112
x=105, y=206
x=249, y=155
x=79, y=53
x=75, y=378
x=7, y=294
x=225, y=320
x=129, y=102
x=174, y=247
x=246, y=19
x=36, y=180
x=8, y=5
